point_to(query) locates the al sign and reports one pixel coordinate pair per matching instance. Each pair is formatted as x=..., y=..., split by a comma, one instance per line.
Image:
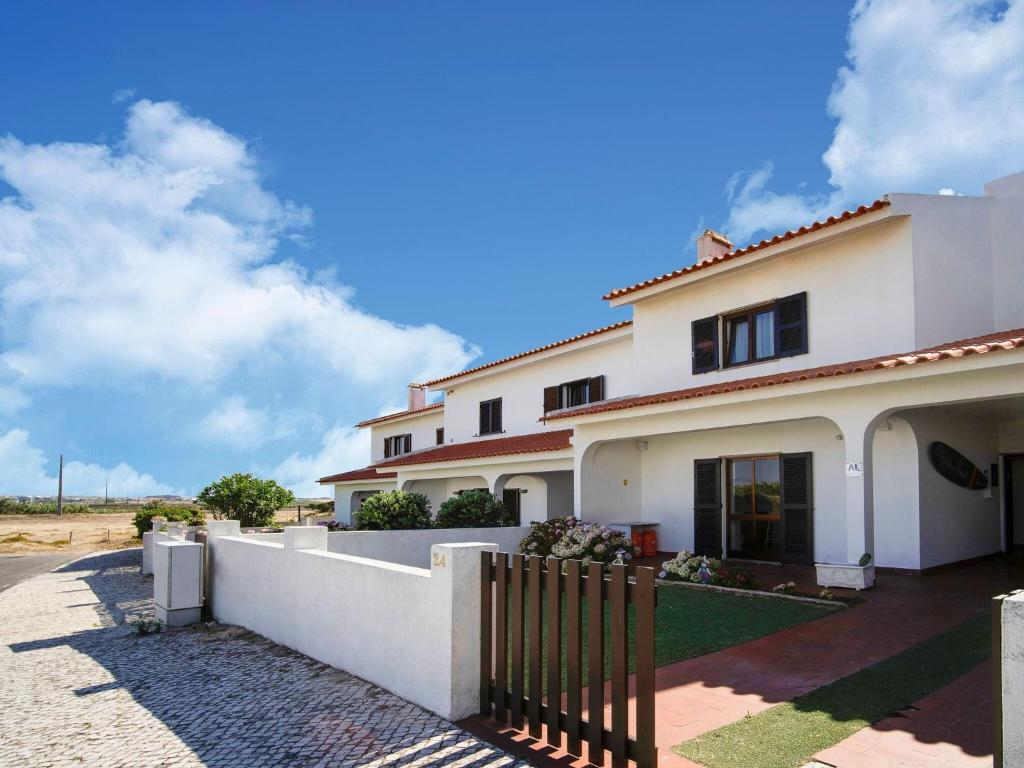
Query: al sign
x=956, y=467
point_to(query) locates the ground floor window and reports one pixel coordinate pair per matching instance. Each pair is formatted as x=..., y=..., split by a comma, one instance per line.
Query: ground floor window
x=754, y=501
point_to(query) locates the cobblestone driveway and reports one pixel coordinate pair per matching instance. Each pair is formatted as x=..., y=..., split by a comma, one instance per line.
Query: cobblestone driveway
x=77, y=687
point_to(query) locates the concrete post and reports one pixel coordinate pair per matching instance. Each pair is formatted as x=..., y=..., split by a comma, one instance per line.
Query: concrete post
x=455, y=574
x=215, y=528
x=303, y=537
x=1012, y=662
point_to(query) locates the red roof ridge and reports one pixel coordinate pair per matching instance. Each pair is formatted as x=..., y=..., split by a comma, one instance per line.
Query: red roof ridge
x=535, y=442
x=536, y=350
x=775, y=240
x=366, y=473
x=978, y=345
x=400, y=414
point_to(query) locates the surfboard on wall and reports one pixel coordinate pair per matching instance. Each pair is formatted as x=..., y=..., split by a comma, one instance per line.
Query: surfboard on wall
x=956, y=467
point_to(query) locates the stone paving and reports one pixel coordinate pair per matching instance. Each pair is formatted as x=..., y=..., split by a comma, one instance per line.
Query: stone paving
x=79, y=687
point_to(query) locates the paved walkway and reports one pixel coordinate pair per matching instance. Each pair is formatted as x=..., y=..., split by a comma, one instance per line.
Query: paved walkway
x=79, y=688
x=951, y=728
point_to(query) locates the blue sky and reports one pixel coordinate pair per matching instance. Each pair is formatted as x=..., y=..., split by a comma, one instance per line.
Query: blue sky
x=229, y=231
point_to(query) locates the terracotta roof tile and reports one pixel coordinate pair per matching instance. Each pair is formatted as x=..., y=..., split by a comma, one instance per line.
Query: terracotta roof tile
x=538, y=442
x=979, y=345
x=367, y=473
x=400, y=415
x=538, y=350
x=789, y=235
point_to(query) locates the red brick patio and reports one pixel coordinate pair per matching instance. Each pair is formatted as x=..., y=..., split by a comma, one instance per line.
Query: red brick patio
x=710, y=691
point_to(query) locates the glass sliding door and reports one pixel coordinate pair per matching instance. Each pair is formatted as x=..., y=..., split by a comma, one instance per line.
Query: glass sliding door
x=754, y=508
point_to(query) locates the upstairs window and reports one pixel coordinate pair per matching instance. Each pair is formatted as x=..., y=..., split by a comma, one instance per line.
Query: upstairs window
x=751, y=336
x=490, y=417
x=573, y=393
x=396, y=445
x=762, y=333
x=440, y=436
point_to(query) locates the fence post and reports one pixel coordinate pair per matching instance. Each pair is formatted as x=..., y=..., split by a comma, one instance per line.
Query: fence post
x=644, y=604
x=1008, y=687
x=486, y=640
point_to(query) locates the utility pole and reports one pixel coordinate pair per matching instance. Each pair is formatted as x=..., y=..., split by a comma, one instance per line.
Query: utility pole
x=106, y=491
x=60, y=488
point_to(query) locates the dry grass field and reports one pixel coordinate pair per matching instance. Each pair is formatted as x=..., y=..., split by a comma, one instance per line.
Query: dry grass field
x=20, y=534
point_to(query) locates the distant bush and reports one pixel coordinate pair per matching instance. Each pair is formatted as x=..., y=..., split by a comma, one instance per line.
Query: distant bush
x=15, y=507
x=322, y=507
x=473, y=509
x=143, y=520
x=394, y=511
x=245, y=498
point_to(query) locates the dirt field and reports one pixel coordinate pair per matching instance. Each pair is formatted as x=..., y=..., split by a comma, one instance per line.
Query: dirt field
x=81, y=532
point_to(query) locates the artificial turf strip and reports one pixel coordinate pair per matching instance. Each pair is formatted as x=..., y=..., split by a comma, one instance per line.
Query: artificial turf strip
x=789, y=735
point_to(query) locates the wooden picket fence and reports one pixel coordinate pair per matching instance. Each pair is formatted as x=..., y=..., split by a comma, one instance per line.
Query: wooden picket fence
x=513, y=618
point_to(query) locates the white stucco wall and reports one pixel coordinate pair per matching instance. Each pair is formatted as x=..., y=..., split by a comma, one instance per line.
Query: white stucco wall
x=667, y=467
x=413, y=547
x=559, y=493
x=421, y=642
x=845, y=301
x=1007, y=196
x=896, y=496
x=956, y=523
x=614, y=482
x=423, y=429
x=521, y=386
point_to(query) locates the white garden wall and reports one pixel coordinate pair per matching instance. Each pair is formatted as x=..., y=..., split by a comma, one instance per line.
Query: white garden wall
x=413, y=547
x=412, y=630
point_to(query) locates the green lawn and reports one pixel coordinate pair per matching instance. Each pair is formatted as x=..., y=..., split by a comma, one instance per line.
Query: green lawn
x=691, y=622
x=788, y=735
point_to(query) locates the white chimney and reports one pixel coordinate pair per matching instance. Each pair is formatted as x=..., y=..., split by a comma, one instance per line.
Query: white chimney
x=417, y=396
x=712, y=244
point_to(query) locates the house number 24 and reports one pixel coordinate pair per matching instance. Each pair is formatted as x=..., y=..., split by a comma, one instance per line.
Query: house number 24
x=440, y=559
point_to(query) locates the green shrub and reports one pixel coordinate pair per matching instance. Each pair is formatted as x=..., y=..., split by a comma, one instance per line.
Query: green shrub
x=245, y=498
x=394, y=511
x=473, y=509
x=15, y=507
x=143, y=520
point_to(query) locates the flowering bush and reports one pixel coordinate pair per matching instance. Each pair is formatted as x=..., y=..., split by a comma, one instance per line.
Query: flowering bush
x=542, y=536
x=826, y=594
x=568, y=538
x=686, y=567
x=593, y=542
x=784, y=589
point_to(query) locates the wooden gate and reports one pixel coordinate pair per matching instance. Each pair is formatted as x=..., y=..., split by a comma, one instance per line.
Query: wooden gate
x=527, y=604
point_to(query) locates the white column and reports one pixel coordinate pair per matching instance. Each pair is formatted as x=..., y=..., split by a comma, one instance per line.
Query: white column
x=343, y=504
x=1012, y=663
x=858, y=436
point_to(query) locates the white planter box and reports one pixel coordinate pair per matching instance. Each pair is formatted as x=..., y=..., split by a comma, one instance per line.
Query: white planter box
x=846, y=576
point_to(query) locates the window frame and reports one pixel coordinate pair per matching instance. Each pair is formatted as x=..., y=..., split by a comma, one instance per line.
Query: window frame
x=394, y=445
x=563, y=390
x=750, y=314
x=490, y=416
x=753, y=459
x=439, y=436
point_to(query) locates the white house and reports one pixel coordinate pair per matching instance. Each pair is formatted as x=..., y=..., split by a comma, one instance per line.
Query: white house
x=856, y=385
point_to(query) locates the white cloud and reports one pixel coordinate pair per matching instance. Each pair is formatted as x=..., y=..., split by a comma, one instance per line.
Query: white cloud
x=932, y=98
x=234, y=422
x=341, y=448
x=155, y=257
x=23, y=471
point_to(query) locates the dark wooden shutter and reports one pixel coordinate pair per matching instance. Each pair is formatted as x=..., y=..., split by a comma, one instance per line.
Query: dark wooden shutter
x=387, y=447
x=550, y=399
x=596, y=393
x=797, y=509
x=407, y=441
x=791, y=325
x=440, y=435
x=485, y=418
x=496, y=415
x=705, y=344
x=707, y=507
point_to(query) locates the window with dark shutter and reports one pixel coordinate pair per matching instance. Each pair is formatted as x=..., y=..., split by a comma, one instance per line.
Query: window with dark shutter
x=550, y=399
x=407, y=443
x=596, y=387
x=797, y=509
x=490, y=416
x=707, y=507
x=791, y=325
x=705, y=344
x=440, y=436
x=387, y=447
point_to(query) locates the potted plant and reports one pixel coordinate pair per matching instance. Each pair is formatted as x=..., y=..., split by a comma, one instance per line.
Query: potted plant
x=859, y=576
